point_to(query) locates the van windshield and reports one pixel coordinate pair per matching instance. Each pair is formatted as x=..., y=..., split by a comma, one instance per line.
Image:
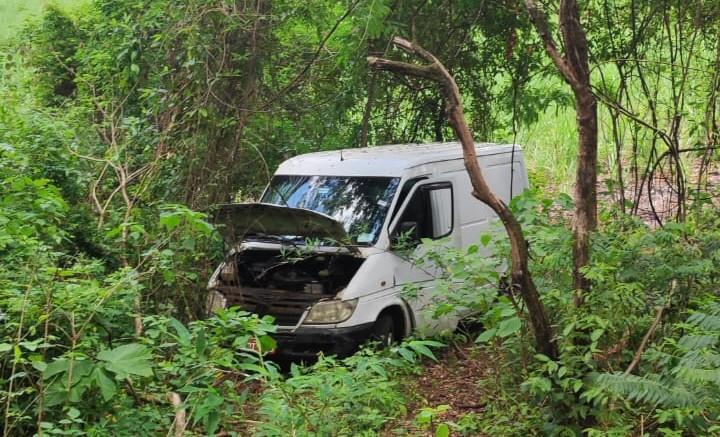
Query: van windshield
x=359, y=203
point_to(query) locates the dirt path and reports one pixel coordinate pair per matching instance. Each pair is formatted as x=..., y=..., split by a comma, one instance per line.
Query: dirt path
x=451, y=381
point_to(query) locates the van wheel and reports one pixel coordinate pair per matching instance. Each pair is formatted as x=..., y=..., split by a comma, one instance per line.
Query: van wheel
x=384, y=331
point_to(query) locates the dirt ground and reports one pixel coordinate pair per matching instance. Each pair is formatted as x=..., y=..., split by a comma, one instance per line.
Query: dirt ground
x=662, y=190
x=451, y=381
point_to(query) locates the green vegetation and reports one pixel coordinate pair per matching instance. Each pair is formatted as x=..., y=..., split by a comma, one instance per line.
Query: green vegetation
x=123, y=121
x=14, y=13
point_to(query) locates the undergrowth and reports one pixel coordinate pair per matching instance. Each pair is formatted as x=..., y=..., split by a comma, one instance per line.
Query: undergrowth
x=103, y=278
x=654, y=300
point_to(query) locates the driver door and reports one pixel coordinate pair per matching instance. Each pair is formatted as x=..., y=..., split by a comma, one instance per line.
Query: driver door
x=426, y=213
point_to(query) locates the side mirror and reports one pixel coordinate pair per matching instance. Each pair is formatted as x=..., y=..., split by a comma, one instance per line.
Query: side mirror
x=406, y=233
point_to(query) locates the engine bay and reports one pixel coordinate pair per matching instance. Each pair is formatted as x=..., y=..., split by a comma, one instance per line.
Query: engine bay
x=311, y=273
x=280, y=283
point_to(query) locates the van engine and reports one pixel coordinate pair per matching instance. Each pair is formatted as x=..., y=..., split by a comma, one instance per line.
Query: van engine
x=282, y=284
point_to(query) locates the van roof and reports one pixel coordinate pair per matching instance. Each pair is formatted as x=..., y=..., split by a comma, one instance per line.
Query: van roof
x=382, y=160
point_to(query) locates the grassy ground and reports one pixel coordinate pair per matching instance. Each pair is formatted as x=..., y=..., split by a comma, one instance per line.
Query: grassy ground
x=13, y=13
x=550, y=146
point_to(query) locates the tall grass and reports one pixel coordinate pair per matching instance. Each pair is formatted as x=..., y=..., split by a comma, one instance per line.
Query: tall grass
x=551, y=142
x=550, y=146
x=13, y=13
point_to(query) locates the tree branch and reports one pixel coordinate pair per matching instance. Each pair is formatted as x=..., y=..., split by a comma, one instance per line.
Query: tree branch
x=651, y=331
x=180, y=422
x=296, y=80
x=404, y=68
x=543, y=29
x=522, y=279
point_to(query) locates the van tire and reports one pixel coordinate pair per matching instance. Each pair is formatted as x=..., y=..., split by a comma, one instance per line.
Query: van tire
x=384, y=331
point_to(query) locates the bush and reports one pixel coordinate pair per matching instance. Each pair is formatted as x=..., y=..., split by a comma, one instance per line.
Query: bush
x=635, y=270
x=354, y=396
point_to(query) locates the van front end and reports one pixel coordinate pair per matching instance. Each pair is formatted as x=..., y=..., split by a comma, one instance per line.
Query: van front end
x=307, y=323
x=323, y=299
x=299, y=257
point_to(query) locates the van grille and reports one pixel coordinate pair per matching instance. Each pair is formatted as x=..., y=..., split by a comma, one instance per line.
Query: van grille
x=285, y=306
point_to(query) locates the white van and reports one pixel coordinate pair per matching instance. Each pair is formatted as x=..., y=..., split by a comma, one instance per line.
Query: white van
x=317, y=253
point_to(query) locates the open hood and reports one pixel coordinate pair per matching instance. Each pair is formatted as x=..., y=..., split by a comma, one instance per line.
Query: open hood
x=238, y=221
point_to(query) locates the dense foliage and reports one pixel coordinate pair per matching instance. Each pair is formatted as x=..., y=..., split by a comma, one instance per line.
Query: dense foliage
x=639, y=276
x=123, y=120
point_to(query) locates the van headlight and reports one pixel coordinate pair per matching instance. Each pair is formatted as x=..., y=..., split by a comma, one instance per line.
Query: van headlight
x=331, y=311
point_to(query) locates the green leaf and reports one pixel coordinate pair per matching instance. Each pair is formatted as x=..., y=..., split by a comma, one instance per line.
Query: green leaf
x=170, y=221
x=30, y=345
x=577, y=385
x=432, y=343
x=58, y=366
x=379, y=369
x=486, y=335
x=128, y=359
x=80, y=369
x=55, y=394
x=596, y=334
x=509, y=326
x=485, y=239
x=73, y=413
x=105, y=384
x=208, y=412
x=252, y=368
x=78, y=389
x=200, y=343
x=425, y=416
x=203, y=227
x=266, y=344
x=4, y=347
x=408, y=355
x=442, y=430
x=183, y=333
x=212, y=420
x=422, y=349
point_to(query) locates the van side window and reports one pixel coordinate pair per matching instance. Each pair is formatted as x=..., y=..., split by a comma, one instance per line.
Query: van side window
x=429, y=213
x=441, y=210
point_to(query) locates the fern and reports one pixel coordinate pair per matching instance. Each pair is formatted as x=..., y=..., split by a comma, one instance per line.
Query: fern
x=704, y=321
x=651, y=389
x=688, y=369
x=699, y=367
x=698, y=341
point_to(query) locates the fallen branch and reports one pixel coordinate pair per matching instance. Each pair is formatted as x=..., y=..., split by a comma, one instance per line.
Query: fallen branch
x=650, y=332
x=180, y=422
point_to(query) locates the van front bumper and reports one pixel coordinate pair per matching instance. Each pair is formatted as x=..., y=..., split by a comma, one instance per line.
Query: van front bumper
x=308, y=341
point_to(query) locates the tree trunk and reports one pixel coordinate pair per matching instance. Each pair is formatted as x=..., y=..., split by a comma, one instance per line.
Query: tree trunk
x=520, y=274
x=574, y=67
x=585, y=189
